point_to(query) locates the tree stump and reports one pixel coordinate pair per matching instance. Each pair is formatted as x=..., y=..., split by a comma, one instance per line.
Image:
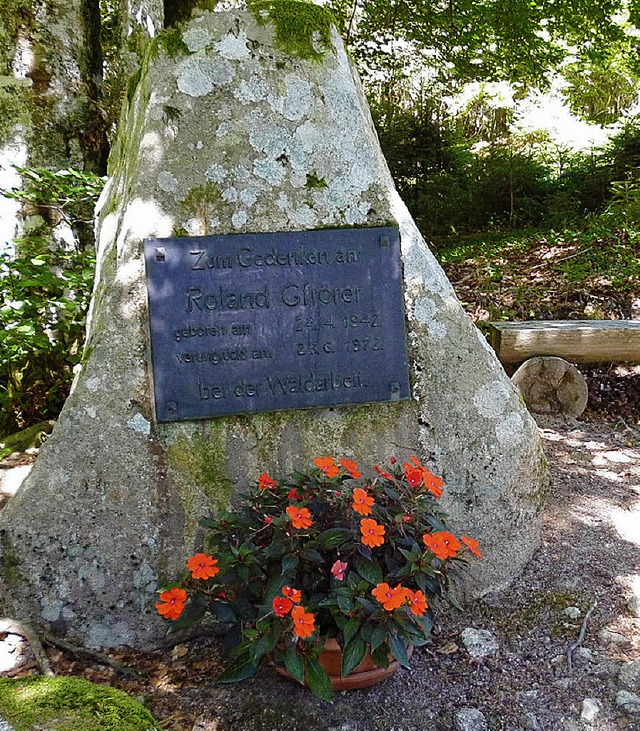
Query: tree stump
x=551, y=385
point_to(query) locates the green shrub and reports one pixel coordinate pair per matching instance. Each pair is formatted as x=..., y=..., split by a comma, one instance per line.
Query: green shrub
x=45, y=288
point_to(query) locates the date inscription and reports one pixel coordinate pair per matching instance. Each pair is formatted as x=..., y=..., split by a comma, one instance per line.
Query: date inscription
x=263, y=322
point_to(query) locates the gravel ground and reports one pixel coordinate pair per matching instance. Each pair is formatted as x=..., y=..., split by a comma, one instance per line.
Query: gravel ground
x=514, y=674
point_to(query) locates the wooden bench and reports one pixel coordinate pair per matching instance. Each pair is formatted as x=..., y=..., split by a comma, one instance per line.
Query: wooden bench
x=547, y=349
x=578, y=341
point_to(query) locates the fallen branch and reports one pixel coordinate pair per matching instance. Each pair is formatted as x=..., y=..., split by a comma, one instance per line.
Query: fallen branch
x=194, y=633
x=576, y=643
x=99, y=657
x=13, y=627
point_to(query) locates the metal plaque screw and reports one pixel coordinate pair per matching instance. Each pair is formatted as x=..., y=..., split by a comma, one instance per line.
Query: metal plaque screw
x=161, y=253
x=385, y=241
x=394, y=386
x=172, y=407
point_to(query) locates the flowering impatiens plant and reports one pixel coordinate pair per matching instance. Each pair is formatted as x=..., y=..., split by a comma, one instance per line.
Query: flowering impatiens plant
x=320, y=554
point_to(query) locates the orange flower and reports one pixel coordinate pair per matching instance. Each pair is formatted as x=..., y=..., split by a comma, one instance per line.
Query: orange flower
x=265, y=482
x=351, y=466
x=390, y=598
x=174, y=603
x=327, y=465
x=417, y=602
x=303, y=622
x=442, y=543
x=282, y=606
x=371, y=532
x=431, y=482
x=382, y=472
x=294, y=594
x=472, y=545
x=202, y=566
x=300, y=517
x=362, y=502
x=413, y=474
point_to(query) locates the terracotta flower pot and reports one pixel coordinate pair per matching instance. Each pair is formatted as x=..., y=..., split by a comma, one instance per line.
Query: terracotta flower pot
x=365, y=674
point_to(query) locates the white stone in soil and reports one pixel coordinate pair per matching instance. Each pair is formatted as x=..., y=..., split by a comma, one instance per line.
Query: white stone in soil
x=633, y=605
x=572, y=612
x=591, y=707
x=629, y=702
x=530, y=722
x=629, y=675
x=4, y=725
x=470, y=719
x=609, y=637
x=479, y=642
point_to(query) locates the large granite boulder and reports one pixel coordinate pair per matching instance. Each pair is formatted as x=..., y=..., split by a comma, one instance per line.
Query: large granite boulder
x=234, y=126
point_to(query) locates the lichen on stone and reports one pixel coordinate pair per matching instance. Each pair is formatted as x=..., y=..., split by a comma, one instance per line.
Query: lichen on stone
x=301, y=27
x=13, y=105
x=10, y=573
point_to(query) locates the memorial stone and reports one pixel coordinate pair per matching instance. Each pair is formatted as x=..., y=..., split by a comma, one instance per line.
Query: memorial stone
x=236, y=129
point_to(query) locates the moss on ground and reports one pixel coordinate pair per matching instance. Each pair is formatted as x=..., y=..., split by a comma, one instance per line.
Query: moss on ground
x=29, y=438
x=74, y=704
x=301, y=28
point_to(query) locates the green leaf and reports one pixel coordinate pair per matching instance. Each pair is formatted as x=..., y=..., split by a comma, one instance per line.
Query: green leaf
x=242, y=670
x=369, y=570
x=352, y=655
x=192, y=614
x=289, y=563
x=398, y=650
x=350, y=629
x=293, y=663
x=318, y=680
x=344, y=603
x=332, y=538
x=312, y=555
x=380, y=656
x=223, y=612
x=378, y=637
x=370, y=606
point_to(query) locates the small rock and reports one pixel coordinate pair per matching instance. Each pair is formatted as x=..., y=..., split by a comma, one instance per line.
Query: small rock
x=629, y=702
x=529, y=694
x=629, y=676
x=607, y=669
x=572, y=612
x=591, y=707
x=470, y=719
x=479, y=642
x=4, y=725
x=583, y=656
x=562, y=683
x=530, y=722
x=609, y=637
x=633, y=605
